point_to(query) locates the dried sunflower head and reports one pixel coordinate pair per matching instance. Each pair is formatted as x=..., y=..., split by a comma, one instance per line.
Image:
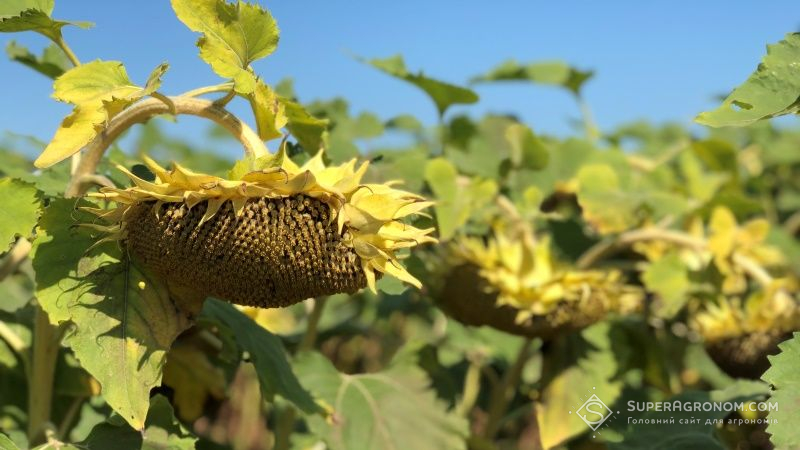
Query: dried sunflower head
x=740, y=334
x=270, y=235
x=512, y=282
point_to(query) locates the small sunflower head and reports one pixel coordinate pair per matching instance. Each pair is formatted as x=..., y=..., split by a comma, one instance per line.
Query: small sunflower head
x=739, y=335
x=512, y=282
x=269, y=235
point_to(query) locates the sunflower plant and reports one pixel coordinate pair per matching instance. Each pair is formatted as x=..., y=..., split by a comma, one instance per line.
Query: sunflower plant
x=471, y=288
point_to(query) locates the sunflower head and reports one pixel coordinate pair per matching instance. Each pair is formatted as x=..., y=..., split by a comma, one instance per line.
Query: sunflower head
x=270, y=234
x=739, y=335
x=512, y=282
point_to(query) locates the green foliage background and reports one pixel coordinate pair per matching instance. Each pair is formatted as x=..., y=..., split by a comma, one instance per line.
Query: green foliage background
x=94, y=354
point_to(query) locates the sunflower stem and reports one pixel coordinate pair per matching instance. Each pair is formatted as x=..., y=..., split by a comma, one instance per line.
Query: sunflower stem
x=151, y=107
x=503, y=393
x=310, y=338
x=46, y=339
x=472, y=386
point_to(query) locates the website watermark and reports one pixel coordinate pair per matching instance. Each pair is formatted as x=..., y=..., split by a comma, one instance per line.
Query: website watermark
x=679, y=406
x=597, y=414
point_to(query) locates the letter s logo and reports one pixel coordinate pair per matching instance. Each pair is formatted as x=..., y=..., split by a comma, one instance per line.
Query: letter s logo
x=598, y=415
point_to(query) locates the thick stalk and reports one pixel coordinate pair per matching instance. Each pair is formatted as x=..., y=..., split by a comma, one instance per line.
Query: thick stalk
x=46, y=340
x=504, y=392
x=310, y=338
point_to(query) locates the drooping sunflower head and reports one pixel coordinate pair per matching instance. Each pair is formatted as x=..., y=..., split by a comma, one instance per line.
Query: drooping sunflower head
x=740, y=334
x=270, y=234
x=512, y=281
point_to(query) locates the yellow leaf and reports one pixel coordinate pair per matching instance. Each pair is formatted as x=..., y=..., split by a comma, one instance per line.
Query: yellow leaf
x=76, y=130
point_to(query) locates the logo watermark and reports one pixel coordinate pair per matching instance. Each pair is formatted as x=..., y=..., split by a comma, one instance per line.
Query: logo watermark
x=594, y=412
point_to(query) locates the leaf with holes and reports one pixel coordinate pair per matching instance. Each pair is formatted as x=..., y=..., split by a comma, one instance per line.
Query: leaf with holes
x=772, y=90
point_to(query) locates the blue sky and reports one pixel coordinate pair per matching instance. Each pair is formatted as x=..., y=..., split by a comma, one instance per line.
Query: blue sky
x=662, y=61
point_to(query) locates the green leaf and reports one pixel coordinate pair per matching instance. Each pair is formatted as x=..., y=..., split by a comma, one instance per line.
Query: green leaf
x=783, y=376
x=269, y=111
x=456, y=197
x=123, y=320
x=19, y=209
x=669, y=278
x=772, y=90
x=52, y=63
x=99, y=90
x=441, y=177
x=6, y=443
x=307, y=129
x=528, y=150
x=592, y=374
x=234, y=35
x=443, y=94
x=267, y=354
x=32, y=15
x=555, y=73
x=605, y=205
x=392, y=409
x=687, y=429
x=162, y=431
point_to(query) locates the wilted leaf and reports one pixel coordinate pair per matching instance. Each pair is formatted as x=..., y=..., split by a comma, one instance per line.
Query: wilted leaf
x=669, y=278
x=234, y=35
x=52, y=63
x=443, y=94
x=783, y=376
x=99, y=90
x=772, y=90
x=392, y=409
x=123, y=320
x=556, y=73
x=19, y=210
x=193, y=378
x=266, y=353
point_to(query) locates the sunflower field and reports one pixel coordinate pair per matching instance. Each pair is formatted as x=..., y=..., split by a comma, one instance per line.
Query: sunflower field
x=482, y=286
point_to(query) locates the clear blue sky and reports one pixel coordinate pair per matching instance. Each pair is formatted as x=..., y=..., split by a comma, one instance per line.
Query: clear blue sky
x=663, y=61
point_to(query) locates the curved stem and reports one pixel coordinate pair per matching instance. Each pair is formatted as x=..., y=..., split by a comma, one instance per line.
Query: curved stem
x=222, y=87
x=610, y=246
x=625, y=240
x=149, y=108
